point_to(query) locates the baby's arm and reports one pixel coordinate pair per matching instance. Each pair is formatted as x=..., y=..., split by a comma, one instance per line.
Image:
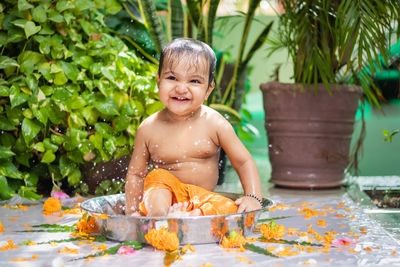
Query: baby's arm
x=243, y=164
x=137, y=171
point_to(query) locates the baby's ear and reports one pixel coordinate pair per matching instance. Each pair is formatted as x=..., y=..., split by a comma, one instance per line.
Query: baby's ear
x=210, y=88
x=157, y=78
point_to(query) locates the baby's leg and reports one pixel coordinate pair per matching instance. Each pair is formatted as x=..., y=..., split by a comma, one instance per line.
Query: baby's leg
x=179, y=210
x=158, y=201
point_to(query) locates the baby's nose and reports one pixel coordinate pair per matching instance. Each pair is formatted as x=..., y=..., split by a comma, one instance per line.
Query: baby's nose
x=181, y=88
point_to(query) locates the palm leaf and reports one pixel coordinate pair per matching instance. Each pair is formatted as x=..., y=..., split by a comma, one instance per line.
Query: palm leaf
x=152, y=22
x=228, y=113
x=176, y=19
x=211, y=14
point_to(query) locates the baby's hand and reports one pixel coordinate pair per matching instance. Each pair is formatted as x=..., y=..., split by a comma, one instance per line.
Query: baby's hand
x=247, y=203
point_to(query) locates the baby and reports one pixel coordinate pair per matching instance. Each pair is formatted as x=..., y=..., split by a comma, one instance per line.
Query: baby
x=182, y=142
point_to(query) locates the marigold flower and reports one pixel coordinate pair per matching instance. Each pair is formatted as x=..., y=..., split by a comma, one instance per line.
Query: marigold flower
x=51, y=205
x=272, y=230
x=10, y=245
x=186, y=247
x=125, y=250
x=234, y=240
x=162, y=239
x=86, y=225
x=1, y=227
x=68, y=250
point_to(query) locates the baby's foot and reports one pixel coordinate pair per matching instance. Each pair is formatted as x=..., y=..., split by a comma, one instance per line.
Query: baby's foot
x=179, y=210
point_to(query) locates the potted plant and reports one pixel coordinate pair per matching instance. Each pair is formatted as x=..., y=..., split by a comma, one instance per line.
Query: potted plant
x=310, y=123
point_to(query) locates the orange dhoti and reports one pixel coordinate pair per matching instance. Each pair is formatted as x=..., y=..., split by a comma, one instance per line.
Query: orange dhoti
x=209, y=203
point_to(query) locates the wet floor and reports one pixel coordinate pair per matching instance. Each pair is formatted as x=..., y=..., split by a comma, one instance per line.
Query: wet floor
x=314, y=216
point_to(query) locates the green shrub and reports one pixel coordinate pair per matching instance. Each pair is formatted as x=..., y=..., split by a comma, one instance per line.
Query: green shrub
x=70, y=93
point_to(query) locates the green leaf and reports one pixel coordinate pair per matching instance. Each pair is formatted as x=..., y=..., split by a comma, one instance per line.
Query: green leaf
x=39, y=14
x=259, y=250
x=84, y=61
x=49, y=145
x=7, y=139
x=18, y=98
x=31, y=29
x=5, y=152
x=70, y=70
x=112, y=7
x=27, y=67
x=104, y=129
x=110, y=146
x=23, y=159
x=60, y=78
x=106, y=106
x=5, y=124
x=28, y=193
x=30, y=129
x=64, y=5
x=84, y=4
x=75, y=177
x=228, y=113
x=39, y=146
x=4, y=189
x=55, y=16
x=7, y=168
x=6, y=62
x=23, y=5
x=66, y=166
x=90, y=114
x=48, y=157
x=154, y=107
x=121, y=123
x=76, y=121
x=87, y=27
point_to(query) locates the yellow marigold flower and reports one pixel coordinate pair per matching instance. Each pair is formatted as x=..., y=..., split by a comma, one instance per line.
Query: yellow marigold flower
x=272, y=230
x=86, y=225
x=9, y=246
x=1, y=227
x=234, y=240
x=51, y=205
x=162, y=239
x=186, y=247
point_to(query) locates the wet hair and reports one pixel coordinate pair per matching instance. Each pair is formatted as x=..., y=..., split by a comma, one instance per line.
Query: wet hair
x=196, y=50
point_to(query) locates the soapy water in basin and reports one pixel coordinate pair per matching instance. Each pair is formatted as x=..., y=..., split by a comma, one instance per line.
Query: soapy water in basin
x=190, y=230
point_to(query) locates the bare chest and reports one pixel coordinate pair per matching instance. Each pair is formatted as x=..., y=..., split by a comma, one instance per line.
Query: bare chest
x=172, y=146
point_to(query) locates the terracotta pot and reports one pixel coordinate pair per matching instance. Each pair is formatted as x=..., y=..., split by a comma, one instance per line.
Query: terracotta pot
x=309, y=134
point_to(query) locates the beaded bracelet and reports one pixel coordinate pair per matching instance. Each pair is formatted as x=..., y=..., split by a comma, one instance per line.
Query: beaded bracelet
x=257, y=198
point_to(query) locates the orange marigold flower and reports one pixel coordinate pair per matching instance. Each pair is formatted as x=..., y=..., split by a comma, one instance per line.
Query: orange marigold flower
x=162, y=239
x=51, y=205
x=10, y=245
x=1, y=227
x=68, y=250
x=86, y=225
x=234, y=240
x=249, y=220
x=394, y=252
x=272, y=230
x=187, y=247
x=287, y=252
x=368, y=249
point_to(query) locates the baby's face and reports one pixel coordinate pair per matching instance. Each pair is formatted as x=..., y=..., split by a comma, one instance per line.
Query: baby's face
x=183, y=86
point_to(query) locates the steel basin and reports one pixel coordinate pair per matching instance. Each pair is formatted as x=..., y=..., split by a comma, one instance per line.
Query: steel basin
x=190, y=230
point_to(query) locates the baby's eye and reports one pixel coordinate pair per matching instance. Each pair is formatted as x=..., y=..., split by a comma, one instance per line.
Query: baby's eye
x=171, y=78
x=195, y=81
